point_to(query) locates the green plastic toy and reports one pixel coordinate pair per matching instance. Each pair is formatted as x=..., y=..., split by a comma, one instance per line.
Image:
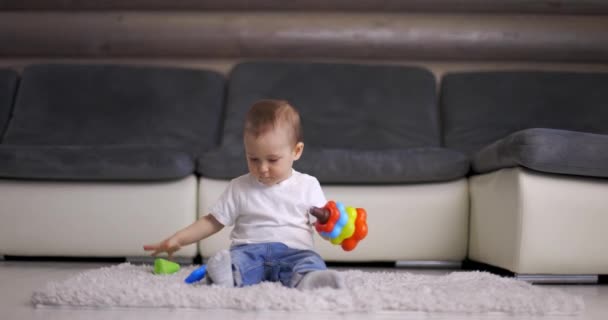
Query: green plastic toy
x=162, y=266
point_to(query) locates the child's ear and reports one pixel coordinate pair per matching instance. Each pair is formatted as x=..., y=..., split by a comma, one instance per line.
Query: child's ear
x=297, y=150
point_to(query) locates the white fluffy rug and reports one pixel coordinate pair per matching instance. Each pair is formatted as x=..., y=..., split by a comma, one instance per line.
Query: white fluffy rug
x=127, y=285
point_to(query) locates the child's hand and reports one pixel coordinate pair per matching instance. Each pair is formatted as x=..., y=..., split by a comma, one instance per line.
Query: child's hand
x=168, y=245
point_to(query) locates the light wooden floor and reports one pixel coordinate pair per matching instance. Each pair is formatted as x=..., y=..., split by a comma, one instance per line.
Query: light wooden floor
x=18, y=279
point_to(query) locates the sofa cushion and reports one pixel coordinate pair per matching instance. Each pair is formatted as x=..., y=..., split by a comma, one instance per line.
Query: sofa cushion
x=111, y=105
x=225, y=162
x=115, y=162
x=547, y=150
x=411, y=165
x=332, y=165
x=478, y=108
x=8, y=85
x=351, y=115
x=342, y=105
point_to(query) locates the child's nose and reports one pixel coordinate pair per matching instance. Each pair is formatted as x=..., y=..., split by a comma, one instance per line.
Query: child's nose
x=263, y=167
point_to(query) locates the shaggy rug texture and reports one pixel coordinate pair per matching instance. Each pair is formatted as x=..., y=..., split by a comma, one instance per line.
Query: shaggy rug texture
x=127, y=285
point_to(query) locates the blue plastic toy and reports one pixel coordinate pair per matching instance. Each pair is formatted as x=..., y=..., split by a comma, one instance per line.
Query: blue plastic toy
x=197, y=274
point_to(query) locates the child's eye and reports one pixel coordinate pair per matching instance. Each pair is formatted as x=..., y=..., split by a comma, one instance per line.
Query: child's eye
x=253, y=159
x=273, y=160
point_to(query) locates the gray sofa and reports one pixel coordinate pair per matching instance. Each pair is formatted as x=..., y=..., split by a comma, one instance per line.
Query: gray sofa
x=97, y=159
x=504, y=168
x=538, y=143
x=372, y=138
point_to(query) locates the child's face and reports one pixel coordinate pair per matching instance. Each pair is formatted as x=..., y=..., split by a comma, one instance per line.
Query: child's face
x=270, y=156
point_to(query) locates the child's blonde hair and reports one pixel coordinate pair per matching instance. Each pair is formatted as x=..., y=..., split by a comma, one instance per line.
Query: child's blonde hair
x=269, y=114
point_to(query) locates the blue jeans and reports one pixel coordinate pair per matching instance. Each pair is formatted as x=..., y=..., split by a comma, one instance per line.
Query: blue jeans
x=274, y=261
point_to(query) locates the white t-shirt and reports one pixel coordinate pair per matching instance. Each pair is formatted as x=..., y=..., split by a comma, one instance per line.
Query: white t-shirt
x=277, y=213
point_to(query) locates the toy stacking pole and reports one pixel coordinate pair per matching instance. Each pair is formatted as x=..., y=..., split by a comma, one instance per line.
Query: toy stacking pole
x=321, y=214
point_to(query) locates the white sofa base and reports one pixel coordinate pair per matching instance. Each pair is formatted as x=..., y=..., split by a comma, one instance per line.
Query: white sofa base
x=421, y=222
x=533, y=223
x=93, y=219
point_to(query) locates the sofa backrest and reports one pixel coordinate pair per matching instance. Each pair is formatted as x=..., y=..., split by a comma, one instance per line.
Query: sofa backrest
x=478, y=108
x=113, y=104
x=362, y=123
x=341, y=105
x=8, y=85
